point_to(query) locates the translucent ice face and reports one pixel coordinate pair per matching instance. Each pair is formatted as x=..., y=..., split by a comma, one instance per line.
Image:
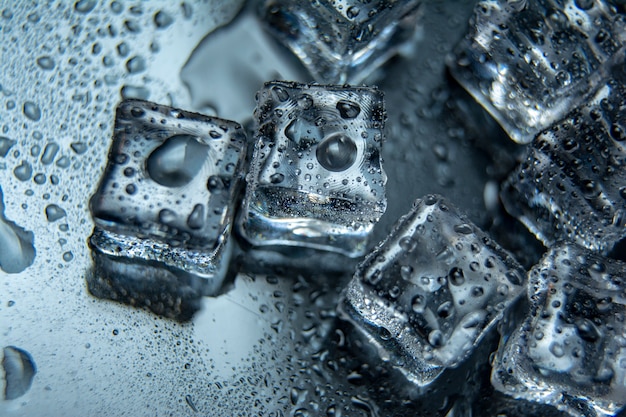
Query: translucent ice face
x=171, y=175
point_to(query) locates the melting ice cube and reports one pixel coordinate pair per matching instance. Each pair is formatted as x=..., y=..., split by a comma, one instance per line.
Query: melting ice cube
x=529, y=62
x=431, y=290
x=570, y=351
x=316, y=179
x=572, y=183
x=164, y=207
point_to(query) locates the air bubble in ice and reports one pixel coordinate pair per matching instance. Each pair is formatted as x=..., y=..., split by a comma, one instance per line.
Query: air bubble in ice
x=177, y=161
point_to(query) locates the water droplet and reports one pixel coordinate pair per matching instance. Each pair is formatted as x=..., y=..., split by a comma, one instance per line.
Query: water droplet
x=557, y=349
x=418, y=304
x=336, y=153
x=84, y=6
x=463, y=229
x=584, y=4
x=135, y=64
x=348, y=109
x=23, y=171
x=177, y=161
x=45, y=62
x=435, y=338
x=16, y=245
x=352, y=12
x=167, y=216
x=5, y=145
x=49, y=152
x=79, y=147
x=32, y=111
x=19, y=371
x=162, y=20
x=587, y=330
x=196, y=218
x=281, y=93
x=456, y=276
x=216, y=184
x=54, y=212
x=277, y=178
x=68, y=256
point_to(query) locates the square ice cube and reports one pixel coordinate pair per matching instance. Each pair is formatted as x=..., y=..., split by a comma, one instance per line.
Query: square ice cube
x=166, y=198
x=342, y=41
x=431, y=290
x=570, y=351
x=316, y=179
x=572, y=183
x=529, y=62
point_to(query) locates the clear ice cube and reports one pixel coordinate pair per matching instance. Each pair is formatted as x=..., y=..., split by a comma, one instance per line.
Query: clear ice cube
x=315, y=179
x=529, y=62
x=342, y=41
x=572, y=183
x=570, y=351
x=429, y=293
x=164, y=206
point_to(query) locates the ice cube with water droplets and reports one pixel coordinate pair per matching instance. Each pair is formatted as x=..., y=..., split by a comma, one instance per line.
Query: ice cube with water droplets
x=529, y=62
x=571, y=184
x=342, y=41
x=570, y=351
x=165, y=203
x=316, y=179
x=429, y=293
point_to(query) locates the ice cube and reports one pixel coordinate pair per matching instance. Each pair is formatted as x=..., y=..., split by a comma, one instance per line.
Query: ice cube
x=572, y=183
x=570, y=351
x=316, y=179
x=428, y=294
x=342, y=41
x=529, y=62
x=164, y=206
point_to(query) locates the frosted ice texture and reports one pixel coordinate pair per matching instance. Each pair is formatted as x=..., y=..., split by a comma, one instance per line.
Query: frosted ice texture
x=316, y=179
x=431, y=290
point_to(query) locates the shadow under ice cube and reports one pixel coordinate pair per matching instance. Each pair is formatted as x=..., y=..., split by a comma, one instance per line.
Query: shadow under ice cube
x=530, y=62
x=342, y=41
x=570, y=351
x=572, y=183
x=430, y=292
x=316, y=179
x=164, y=207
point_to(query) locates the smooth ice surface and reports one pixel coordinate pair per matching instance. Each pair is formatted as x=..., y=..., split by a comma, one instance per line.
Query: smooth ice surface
x=571, y=349
x=342, y=41
x=316, y=179
x=530, y=62
x=430, y=291
x=572, y=183
x=166, y=200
